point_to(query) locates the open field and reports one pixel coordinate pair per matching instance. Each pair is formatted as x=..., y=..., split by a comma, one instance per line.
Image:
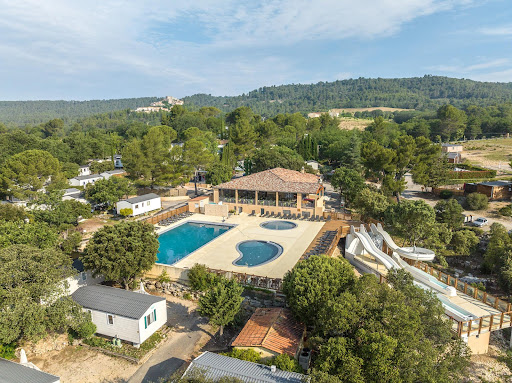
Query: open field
x=348, y=123
x=353, y=110
x=493, y=154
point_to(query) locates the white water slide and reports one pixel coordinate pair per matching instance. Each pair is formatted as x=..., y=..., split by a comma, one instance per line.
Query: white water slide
x=414, y=253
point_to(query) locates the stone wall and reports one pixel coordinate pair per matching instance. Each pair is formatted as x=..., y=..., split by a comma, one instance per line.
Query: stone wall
x=216, y=210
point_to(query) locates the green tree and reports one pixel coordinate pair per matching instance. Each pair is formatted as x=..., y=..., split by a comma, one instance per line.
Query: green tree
x=12, y=213
x=52, y=127
x=477, y=201
x=126, y=212
x=109, y=191
x=370, y=204
x=247, y=354
x=36, y=234
x=122, y=252
x=349, y=181
x=449, y=212
x=452, y=122
x=196, y=157
x=201, y=279
x=218, y=173
x=243, y=136
x=50, y=208
x=314, y=282
x=464, y=242
x=30, y=288
x=100, y=167
x=25, y=173
x=411, y=219
x=276, y=157
x=221, y=303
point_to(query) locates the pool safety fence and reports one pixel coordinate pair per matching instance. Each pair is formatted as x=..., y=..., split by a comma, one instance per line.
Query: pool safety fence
x=171, y=213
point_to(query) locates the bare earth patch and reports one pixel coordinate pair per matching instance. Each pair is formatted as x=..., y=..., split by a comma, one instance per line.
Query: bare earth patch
x=493, y=154
x=80, y=365
x=348, y=123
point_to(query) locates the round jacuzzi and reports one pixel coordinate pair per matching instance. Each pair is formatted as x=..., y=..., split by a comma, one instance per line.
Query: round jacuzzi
x=278, y=225
x=256, y=253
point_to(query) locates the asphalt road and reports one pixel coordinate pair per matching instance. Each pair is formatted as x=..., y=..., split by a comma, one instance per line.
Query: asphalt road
x=179, y=346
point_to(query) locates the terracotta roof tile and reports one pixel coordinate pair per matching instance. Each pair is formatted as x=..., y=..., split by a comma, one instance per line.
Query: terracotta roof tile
x=276, y=180
x=272, y=328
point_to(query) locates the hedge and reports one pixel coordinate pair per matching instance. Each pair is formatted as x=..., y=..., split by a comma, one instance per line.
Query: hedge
x=472, y=174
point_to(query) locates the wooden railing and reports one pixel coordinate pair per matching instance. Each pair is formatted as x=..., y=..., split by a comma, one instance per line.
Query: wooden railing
x=336, y=215
x=157, y=218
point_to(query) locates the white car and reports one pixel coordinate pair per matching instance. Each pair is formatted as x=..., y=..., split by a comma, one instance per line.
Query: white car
x=480, y=222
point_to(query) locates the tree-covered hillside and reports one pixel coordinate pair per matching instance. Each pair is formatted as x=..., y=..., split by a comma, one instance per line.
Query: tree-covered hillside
x=422, y=93
x=35, y=112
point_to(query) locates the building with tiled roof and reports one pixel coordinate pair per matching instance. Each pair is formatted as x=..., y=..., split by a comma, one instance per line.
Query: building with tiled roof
x=273, y=191
x=271, y=332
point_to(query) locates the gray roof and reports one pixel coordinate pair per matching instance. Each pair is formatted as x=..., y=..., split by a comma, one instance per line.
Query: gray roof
x=110, y=300
x=497, y=183
x=115, y=171
x=452, y=154
x=90, y=176
x=12, y=372
x=142, y=198
x=215, y=366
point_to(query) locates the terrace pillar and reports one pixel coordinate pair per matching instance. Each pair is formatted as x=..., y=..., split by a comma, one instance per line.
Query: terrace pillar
x=255, y=197
x=299, y=200
x=277, y=199
x=236, y=196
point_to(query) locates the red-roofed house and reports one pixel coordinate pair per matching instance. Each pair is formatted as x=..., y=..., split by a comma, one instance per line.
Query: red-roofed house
x=271, y=332
x=274, y=191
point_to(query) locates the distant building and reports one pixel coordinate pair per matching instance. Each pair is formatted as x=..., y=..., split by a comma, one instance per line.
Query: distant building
x=494, y=190
x=85, y=180
x=116, y=173
x=141, y=204
x=454, y=157
x=196, y=205
x=127, y=315
x=314, y=164
x=271, y=332
x=214, y=367
x=450, y=148
x=84, y=170
x=24, y=372
x=74, y=194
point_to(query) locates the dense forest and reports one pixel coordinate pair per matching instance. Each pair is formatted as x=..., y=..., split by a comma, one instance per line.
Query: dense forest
x=421, y=93
x=35, y=112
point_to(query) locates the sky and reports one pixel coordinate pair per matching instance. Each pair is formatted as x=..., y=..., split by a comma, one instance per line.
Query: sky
x=102, y=49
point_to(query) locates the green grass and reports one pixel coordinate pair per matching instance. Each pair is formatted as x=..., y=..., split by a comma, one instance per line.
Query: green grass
x=499, y=156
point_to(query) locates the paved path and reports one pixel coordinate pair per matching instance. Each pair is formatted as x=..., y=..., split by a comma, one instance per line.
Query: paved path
x=178, y=348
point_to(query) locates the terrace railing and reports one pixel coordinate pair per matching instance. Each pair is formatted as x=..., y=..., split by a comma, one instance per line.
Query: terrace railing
x=159, y=217
x=290, y=203
x=267, y=202
x=246, y=201
x=227, y=199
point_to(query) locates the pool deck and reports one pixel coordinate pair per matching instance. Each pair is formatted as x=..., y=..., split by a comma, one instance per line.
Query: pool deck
x=221, y=252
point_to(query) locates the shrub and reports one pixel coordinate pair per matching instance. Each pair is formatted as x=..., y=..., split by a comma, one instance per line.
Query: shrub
x=445, y=194
x=7, y=350
x=164, y=277
x=505, y=211
x=201, y=279
x=187, y=296
x=244, y=354
x=477, y=201
x=126, y=212
x=286, y=363
x=442, y=260
x=85, y=329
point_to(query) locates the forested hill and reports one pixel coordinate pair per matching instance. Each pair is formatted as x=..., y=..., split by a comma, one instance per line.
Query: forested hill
x=36, y=112
x=422, y=93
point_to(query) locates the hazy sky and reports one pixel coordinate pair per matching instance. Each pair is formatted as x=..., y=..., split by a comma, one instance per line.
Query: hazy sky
x=57, y=49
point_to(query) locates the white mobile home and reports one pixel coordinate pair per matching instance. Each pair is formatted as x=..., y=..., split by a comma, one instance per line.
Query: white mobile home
x=24, y=372
x=141, y=204
x=84, y=180
x=84, y=170
x=127, y=315
x=83, y=278
x=109, y=173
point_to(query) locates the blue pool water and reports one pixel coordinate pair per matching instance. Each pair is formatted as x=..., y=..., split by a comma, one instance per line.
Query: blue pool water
x=255, y=253
x=279, y=225
x=186, y=238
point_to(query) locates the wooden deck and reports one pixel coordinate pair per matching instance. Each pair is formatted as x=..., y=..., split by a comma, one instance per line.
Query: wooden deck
x=341, y=227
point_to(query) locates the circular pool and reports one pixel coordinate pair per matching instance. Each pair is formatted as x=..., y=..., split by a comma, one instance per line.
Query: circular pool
x=256, y=253
x=278, y=225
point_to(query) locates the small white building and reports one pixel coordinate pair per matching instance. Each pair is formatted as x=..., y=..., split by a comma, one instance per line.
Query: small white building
x=127, y=315
x=141, y=204
x=83, y=278
x=84, y=170
x=84, y=180
x=24, y=372
x=314, y=164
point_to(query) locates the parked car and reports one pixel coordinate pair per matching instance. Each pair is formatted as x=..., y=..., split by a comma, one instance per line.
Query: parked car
x=480, y=222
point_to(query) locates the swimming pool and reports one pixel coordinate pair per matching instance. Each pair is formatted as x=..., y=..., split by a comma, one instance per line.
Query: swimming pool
x=256, y=253
x=278, y=225
x=182, y=240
